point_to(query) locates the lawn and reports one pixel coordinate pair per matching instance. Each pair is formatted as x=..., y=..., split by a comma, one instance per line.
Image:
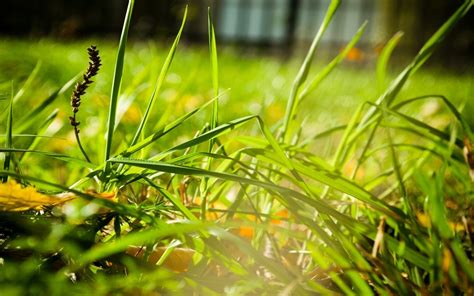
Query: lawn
x=204, y=179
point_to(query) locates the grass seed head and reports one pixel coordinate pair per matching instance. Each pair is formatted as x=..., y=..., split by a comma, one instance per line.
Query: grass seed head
x=81, y=87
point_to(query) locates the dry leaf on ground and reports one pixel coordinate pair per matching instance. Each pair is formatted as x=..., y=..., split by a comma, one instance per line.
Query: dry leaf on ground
x=15, y=197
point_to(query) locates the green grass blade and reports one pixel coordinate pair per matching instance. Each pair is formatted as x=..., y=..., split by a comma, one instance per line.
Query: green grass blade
x=215, y=106
x=382, y=61
x=397, y=84
x=42, y=128
x=30, y=118
x=145, y=237
x=212, y=134
x=59, y=156
x=214, y=69
x=436, y=132
x=8, y=136
x=162, y=131
x=452, y=108
x=175, y=201
x=333, y=180
x=333, y=64
x=398, y=174
x=304, y=70
x=425, y=52
x=28, y=82
x=186, y=170
x=464, y=261
x=287, y=194
x=117, y=81
x=159, y=81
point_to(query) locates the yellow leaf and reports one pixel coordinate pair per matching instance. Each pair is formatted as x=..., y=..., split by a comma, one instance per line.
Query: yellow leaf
x=14, y=197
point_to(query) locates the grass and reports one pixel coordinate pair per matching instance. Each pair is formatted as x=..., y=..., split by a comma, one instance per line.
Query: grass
x=210, y=185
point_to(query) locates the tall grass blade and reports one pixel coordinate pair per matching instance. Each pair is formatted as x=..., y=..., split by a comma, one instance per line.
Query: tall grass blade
x=304, y=70
x=8, y=136
x=215, y=105
x=117, y=80
x=214, y=69
x=159, y=81
x=384, y=58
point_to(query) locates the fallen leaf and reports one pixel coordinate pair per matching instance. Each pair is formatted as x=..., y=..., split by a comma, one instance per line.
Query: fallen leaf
x=15, y=197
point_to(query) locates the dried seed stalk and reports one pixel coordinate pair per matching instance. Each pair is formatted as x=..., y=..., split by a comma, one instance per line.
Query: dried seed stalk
x=80, y=90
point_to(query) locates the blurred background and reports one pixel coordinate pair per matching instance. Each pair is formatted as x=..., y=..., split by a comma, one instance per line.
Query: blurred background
x=267, y=26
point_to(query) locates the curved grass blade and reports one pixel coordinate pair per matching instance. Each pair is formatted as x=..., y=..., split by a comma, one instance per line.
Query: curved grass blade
x=286, y=194
x=333, y=180
x=451, y=107
x=422, y=125
x=437, y=151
